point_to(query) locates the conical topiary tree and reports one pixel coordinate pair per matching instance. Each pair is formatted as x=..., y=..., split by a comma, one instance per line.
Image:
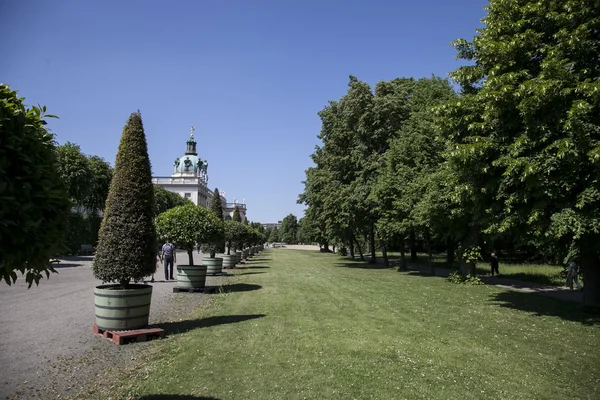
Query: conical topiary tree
x=216, y=207
x=236, y=214
x=127, y=240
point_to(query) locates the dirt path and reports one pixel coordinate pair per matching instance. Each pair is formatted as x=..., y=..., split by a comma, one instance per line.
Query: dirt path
x=47, y=348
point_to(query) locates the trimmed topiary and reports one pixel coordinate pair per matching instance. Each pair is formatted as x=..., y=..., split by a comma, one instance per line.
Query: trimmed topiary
x=217, y=208
x=34, y=202
x=188, y=225
x=234, y=232
x=127, y=240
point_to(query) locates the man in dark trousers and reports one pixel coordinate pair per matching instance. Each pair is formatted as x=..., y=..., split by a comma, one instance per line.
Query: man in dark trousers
x=494, y=263
x=169, y=256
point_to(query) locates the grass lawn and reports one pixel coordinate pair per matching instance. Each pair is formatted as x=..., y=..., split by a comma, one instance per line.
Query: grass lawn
x=538, y=273
x=304, y=325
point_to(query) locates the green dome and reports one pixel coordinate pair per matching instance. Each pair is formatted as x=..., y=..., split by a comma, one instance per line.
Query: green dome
x=183, y=165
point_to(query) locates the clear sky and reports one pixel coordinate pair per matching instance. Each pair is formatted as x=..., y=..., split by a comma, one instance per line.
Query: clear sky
x=251, y=75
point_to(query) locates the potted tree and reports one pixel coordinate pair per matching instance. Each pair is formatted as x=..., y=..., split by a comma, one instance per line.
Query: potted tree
x=126, y=248
x=233, y=230
x=215, y=264
x=186, y=226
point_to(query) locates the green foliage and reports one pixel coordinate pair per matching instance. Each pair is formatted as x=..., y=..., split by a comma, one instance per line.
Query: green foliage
x=233, y=234
x=236, y=214
x=456, y=277
x=188, y=225
x=472, y=254
x=73, y=168
x=34, y=203
x=289, y=229
x=101, y=176
x=526, y=132
x=165, y=200
x=127, y=240
x=216, y=207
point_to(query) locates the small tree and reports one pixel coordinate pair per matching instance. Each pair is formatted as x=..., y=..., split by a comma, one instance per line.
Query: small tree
x=233, y=231
x=34, y=203
x=188, y=225
x=127, y=240
x=236, y=214
x=217, y=208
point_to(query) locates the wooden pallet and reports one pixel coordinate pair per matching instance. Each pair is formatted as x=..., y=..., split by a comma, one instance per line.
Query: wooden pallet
x=205, y=289
x=136, y=335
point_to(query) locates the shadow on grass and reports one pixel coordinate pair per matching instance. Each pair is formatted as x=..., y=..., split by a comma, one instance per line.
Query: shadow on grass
x=259, y=258
x=255, y=266
x=545, y=306
x=174, y=397
x=240, y=287
x=251, y=273
x=172, y=328
x=361, y=264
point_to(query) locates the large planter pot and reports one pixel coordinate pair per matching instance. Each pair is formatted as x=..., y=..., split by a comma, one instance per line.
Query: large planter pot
x=122, y=309
x=191, y=276
x=229, y=261
x=250, y=251
x=238, y=257
x=214, y=266
x=245, y=254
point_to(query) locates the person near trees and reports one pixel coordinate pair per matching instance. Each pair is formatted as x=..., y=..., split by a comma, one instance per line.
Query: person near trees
x=494, y=263
x=169, y=256
x=572, y=275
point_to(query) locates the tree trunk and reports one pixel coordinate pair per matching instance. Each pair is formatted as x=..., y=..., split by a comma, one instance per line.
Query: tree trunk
x=412, y=243
x=360, y=253
x=326, y=247
x=590, y=263
x=386, y=261
x=351, y=248
x=471, y=240
x=229, y=248
x=372, y=243
x=429, y=253
x=190, y=254
x=402, y=266
x=450, y=252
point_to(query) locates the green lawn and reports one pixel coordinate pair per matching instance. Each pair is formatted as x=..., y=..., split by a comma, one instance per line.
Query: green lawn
x=538, y=273
x=305, y=325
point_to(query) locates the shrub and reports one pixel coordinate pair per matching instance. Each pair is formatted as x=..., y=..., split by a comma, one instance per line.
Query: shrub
x=127, y=239
x=34, y=204
x=188, y=225
x=456, y=277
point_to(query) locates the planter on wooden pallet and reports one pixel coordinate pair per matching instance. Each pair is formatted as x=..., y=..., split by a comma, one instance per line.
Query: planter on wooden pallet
x=229, y=260
x=191, y=276
x=214, y=266
x=122, y=309
x=238, y=257
x=245, y=254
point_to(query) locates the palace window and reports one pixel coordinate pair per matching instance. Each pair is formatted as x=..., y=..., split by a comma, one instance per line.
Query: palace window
x=187, y=196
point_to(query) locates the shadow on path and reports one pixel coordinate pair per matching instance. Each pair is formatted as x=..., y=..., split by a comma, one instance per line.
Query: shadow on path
x=66, y=265
x=189, y=325
x=240, y=287
x=174, y=397
x=531, y=302
x=76, y=258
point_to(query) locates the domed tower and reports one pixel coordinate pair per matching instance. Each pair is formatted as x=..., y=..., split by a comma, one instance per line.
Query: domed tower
x=190, y=165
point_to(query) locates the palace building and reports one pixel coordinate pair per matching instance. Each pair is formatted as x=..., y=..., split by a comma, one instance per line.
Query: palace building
x=190, y=181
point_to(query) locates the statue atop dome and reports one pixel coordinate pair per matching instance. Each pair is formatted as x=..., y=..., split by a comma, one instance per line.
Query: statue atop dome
x=192, y=129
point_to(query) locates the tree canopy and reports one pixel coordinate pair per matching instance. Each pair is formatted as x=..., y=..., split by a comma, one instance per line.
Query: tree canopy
x=34, y=202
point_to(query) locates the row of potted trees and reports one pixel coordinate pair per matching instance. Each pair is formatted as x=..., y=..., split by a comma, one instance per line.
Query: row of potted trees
x=127, y=243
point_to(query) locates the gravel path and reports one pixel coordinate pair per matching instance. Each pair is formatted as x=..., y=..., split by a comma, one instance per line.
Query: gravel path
x=47, y=348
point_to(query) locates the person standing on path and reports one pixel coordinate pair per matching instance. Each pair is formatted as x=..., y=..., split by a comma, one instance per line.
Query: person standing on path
x=494, y=263
x=169, y=257
x=572, y=273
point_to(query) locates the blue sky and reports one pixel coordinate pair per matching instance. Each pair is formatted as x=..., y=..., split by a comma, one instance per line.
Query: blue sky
x=251, y=75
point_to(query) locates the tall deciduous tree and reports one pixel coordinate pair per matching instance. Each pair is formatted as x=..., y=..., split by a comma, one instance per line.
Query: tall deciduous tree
x=289, y=229
x=34, y=203
x=216, y=207
x=165, y=200
x=526, y=131
x=101, y=175
x=127, y=241
x=74, y=169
